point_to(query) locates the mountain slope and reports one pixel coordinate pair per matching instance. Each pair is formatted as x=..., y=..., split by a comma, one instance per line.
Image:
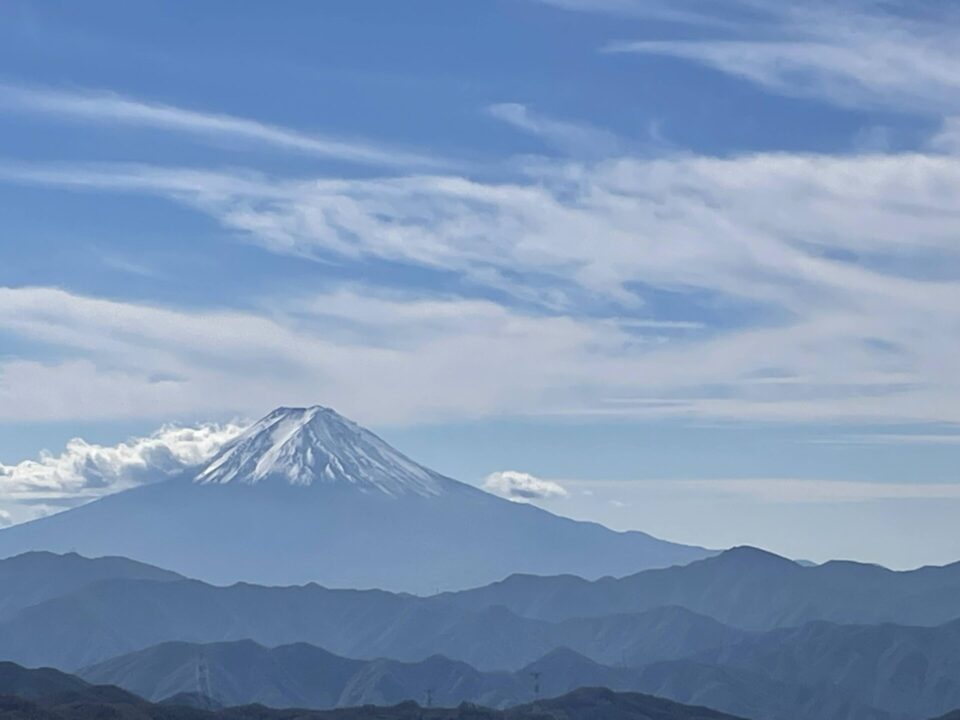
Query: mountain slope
x=305, y=676
x=843, y=672
x=231, y=673
x=116, y=617
x=31, y=578
x=910, y=672
x=743, y=587
x=307, y=446
x=97, y=703
x=238, y=673
x=54, y=686
x=302, y=675
x=754, y=695
x=306, y=495
x=604, y=704
x=31, y=684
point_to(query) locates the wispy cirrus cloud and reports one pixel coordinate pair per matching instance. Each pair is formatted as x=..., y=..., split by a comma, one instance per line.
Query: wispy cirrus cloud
x=947, y=139
x=760, y=218
x=852, y=53
x=886, y=438
x=382, y=359
x=111, y=108
x=792, y=491
x=851, y=321
x=692, y=12
x=769, y=490
x=830, y=283
x=574, y=138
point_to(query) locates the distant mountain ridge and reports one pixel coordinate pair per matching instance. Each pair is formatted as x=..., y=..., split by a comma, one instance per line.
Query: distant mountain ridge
x=305, y=676
x=790, y=673
x=302, y=675
x=907, y=671
x=305, y=495
x=808, y=671
x=655, y=615
x=744, y=587
x=114, y=617
x=53, y=686
x=34, y=577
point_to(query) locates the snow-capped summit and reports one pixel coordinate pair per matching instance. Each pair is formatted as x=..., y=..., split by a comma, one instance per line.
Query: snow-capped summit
x=305, y=495
x=316, y=445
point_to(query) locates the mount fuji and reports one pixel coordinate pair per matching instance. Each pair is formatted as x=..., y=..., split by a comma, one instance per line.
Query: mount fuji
x=306, y=495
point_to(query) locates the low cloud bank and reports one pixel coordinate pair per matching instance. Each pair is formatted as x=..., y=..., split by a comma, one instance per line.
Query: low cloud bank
x=86, y=471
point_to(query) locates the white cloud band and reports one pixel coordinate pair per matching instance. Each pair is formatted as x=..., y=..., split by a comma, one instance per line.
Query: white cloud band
x=523, y=487
x=86, y=471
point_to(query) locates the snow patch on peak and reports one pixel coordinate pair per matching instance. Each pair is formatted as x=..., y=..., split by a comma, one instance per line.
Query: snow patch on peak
x=317, y=445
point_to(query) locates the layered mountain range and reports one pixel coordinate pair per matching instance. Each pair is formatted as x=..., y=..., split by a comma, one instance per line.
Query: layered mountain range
x=150, y=632
x=303, y=566
x=305, y=495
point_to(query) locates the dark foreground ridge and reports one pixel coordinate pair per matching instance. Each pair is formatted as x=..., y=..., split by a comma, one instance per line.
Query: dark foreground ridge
x=46, y=694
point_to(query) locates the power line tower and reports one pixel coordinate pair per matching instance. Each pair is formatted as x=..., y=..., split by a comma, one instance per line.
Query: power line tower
x=204, y=685
x=536, y=684
x=429, y=697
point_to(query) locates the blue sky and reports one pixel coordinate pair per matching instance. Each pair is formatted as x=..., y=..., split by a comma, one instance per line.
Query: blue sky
x=693, y=262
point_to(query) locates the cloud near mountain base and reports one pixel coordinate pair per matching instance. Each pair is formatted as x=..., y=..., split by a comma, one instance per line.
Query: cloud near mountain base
x=522, y=487
x=85, y=471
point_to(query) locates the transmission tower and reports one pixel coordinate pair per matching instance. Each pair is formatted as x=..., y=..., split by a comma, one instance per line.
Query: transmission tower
x=204, y=686
x=536, y=684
